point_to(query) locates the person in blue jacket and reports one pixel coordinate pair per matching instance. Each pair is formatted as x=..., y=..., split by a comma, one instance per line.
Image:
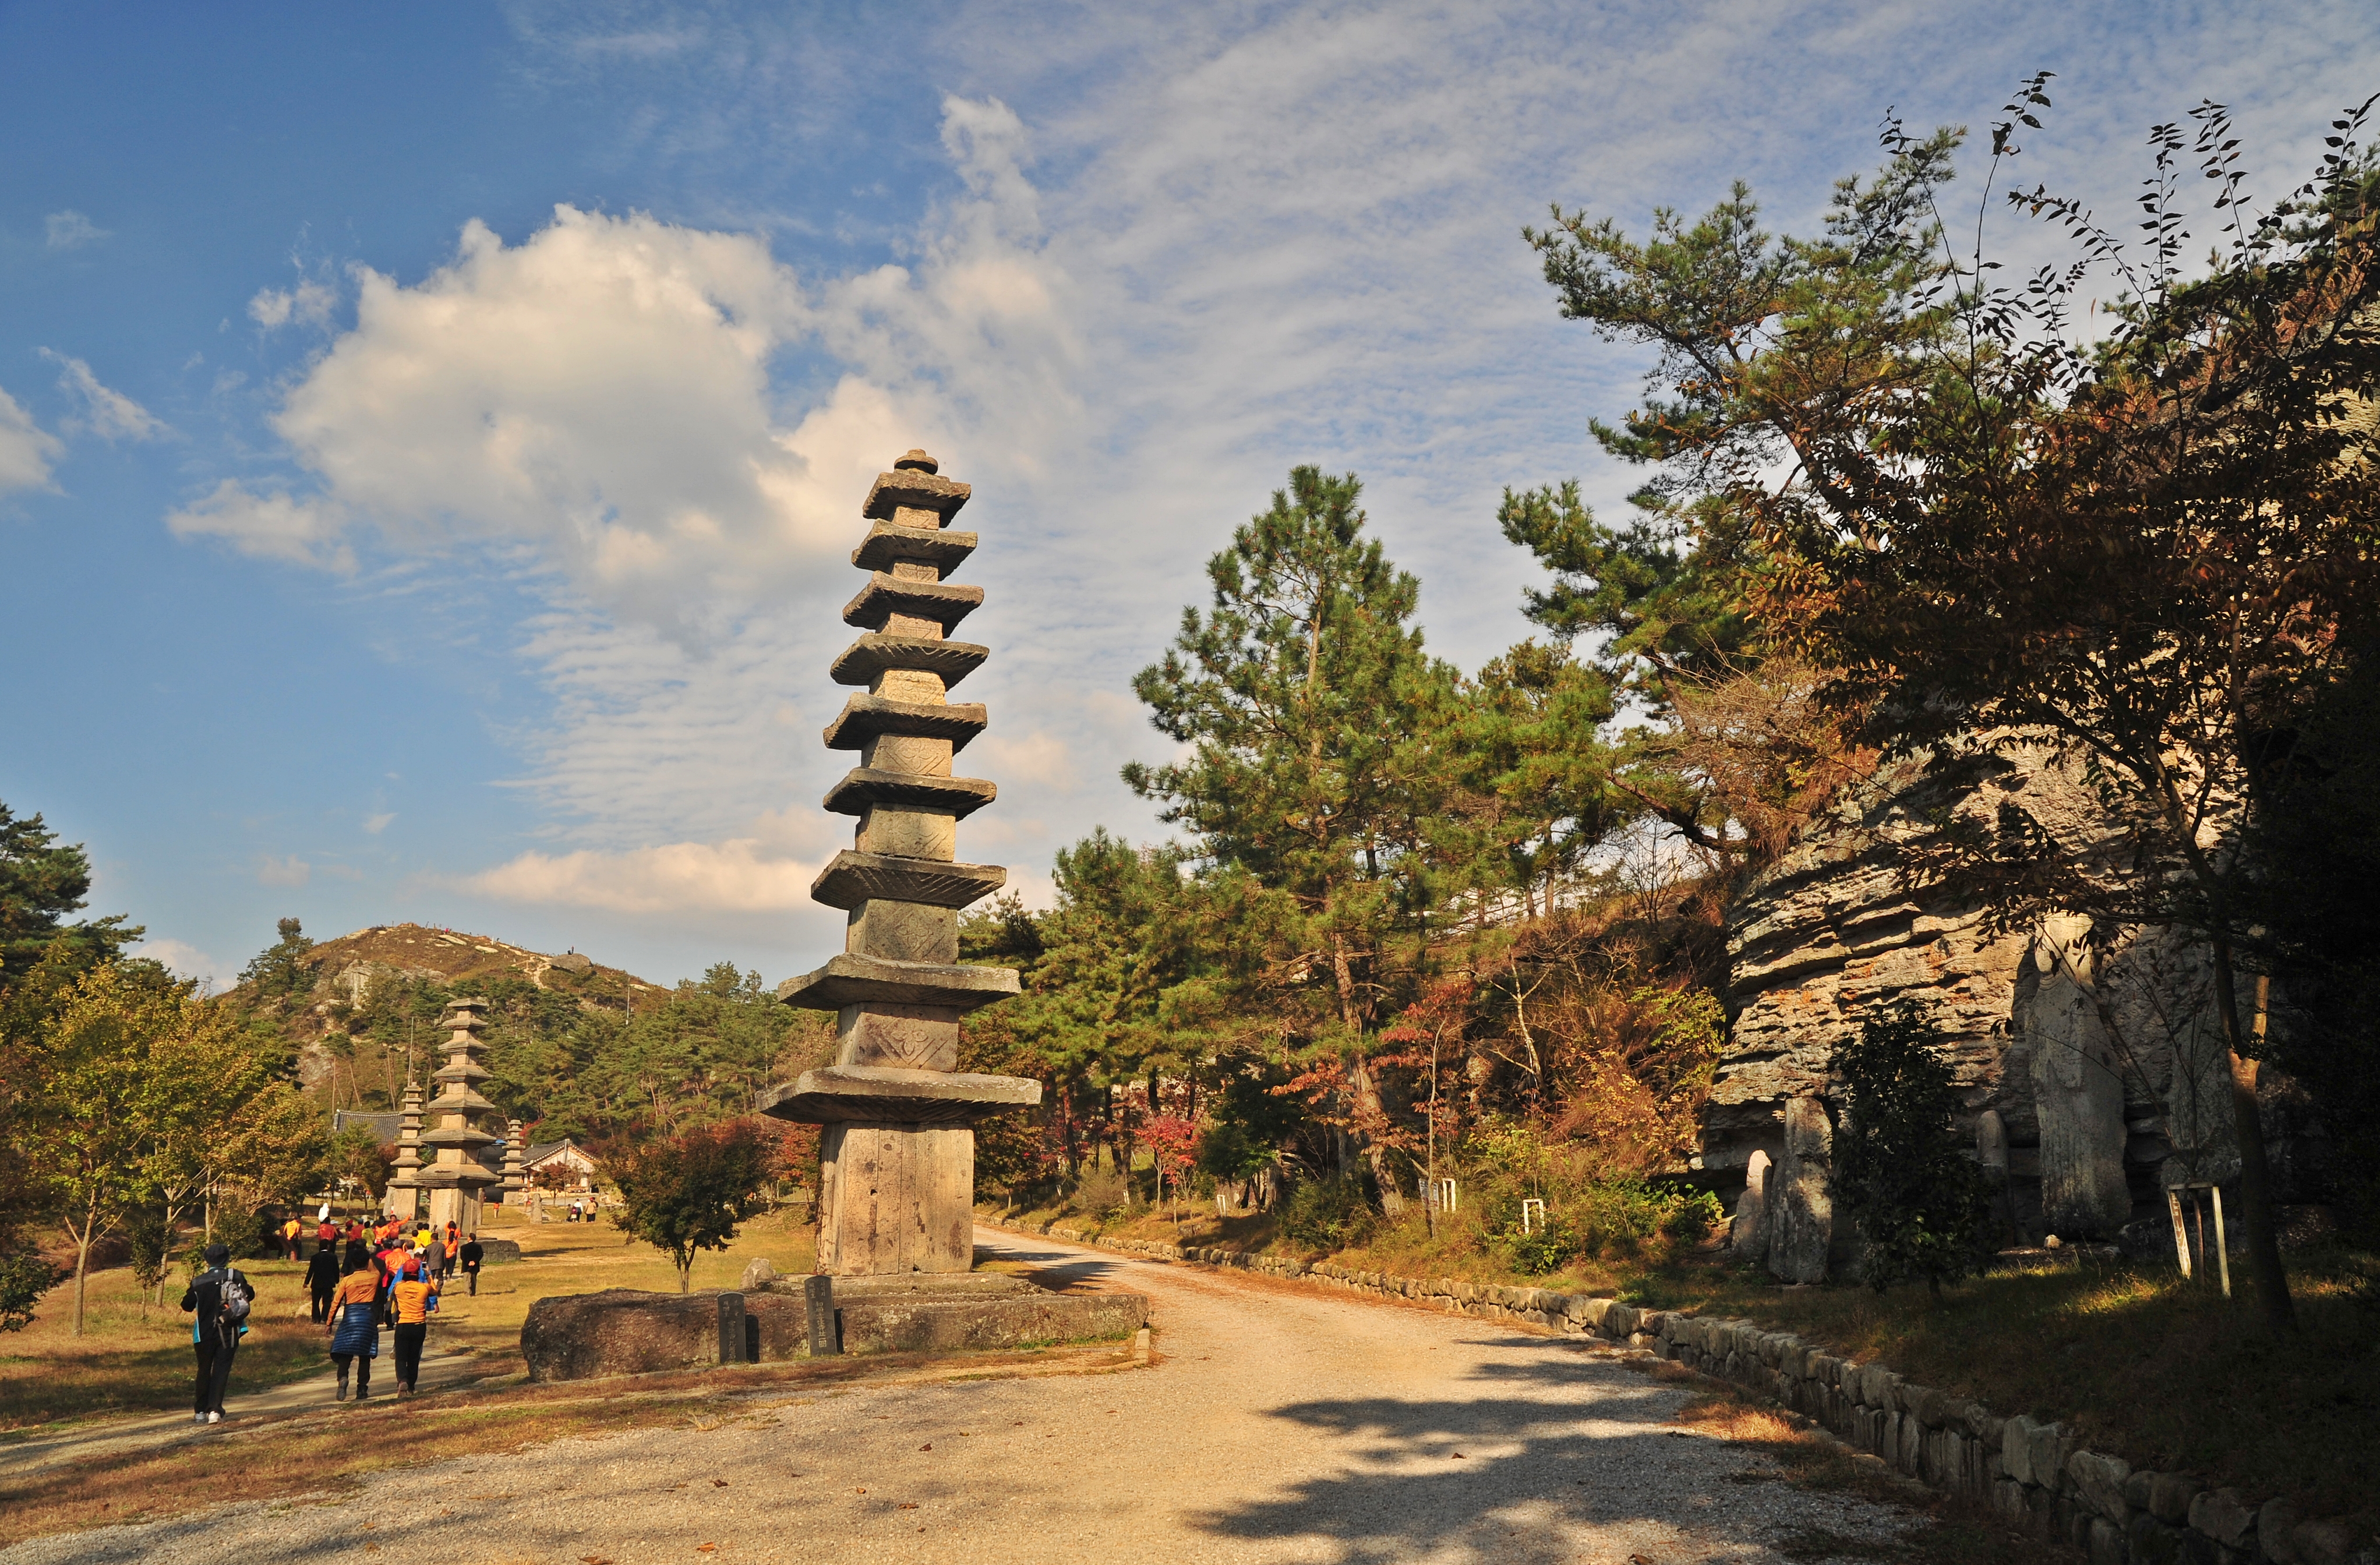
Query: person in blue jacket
x=218, y=1299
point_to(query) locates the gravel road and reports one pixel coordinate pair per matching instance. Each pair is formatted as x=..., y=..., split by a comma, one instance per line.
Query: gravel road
x=1281, y=1424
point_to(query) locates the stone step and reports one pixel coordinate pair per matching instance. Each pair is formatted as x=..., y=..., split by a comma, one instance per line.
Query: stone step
x=854, y=878
x=854, y=979
x=860, y=662
x=863, y=786
x=889, y=1095
x=888, y=541
x=865, y=717
x=944, y=602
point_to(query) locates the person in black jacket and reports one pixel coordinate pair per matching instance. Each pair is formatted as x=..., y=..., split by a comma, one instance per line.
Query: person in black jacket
x=323, y=1278
x=470, y=1255
x=219, y=1298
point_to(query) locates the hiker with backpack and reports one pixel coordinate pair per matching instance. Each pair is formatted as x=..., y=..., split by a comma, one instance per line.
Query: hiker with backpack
x=355, y=1325
x=219, y=1297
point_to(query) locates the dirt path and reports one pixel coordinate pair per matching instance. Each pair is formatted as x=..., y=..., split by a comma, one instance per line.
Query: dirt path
x=440, y=1370
x=1278, y=1424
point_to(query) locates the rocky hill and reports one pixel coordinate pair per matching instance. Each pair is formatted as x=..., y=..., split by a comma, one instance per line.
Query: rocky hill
x=343, y=965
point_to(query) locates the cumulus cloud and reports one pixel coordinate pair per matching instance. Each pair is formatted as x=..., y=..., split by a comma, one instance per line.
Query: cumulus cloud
x=106, y=413
x=309, y=304
x=594, y=400
x=736, y=876
x=70, y=230
x=289, y=871
x=26, y=449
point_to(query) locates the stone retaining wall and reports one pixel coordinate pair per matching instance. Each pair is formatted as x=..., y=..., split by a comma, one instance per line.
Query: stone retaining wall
x=2034, y=1474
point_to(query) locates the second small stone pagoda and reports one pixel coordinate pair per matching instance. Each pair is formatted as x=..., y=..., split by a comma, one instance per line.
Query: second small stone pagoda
x=897, y=1158
x=404, y=1174
x=458, y=1177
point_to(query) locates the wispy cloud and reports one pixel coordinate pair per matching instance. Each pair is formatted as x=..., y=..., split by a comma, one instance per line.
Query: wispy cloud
x=70, y=230
x=309, y=303
x=290, y=871
x=109, y=414
x=26, y=449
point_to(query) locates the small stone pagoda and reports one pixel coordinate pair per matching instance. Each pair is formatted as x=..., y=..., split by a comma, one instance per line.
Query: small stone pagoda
x=897, y=1158
x=516, y=1159
x=404, y=1174
x=458, y=1177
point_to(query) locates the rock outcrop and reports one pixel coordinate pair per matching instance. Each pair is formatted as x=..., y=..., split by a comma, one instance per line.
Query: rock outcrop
x=2091, y=1062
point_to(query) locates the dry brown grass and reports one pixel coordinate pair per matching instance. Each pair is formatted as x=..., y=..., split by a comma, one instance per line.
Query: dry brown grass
x=331, y=1449
x=125, y=1364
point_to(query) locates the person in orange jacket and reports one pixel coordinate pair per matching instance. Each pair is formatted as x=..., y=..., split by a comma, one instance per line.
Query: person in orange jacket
x=413, y=1298
x=355, y=1325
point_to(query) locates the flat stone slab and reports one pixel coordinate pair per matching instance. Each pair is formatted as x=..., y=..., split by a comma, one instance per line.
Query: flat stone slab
x=888, y=542
x=853, y=877
x=890, y=1095
x=860, y=662
x=863, y=786
x=944, y=602
x=865, y=717
x=914, y=488
x=854, y=979
x=628, y=1331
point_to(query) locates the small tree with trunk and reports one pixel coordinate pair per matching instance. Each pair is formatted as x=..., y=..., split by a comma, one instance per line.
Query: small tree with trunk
x=691, y=1192
x=1900, y=1170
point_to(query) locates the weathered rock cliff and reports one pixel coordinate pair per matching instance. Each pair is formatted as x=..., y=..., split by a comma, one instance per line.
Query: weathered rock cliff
x=2092, y=1063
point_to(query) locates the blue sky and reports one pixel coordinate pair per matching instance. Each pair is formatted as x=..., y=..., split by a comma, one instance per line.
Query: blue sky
x=433, y=434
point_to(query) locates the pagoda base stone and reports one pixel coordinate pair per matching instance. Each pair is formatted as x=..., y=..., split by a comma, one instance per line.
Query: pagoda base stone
x=894, y=1094
x=969, y=1311
x=624, y=1331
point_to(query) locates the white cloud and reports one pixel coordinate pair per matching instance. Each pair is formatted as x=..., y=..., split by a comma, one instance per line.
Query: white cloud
x=271, y=526
x=26, y=449
x=375, y=824
x=309, y=304
x=70, y=230
x=106, y=413
x=289, y=871
x=1039, y=757
x=736, y=876
x=188, y=961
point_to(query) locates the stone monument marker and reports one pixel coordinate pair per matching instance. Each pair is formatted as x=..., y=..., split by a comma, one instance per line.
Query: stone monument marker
x=896, y=1187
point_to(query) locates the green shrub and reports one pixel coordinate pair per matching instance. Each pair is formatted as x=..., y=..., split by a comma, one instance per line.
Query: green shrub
x=1547, y=1248
x=1328, y=1215
x=1100, y=1193
x=1900, y=1170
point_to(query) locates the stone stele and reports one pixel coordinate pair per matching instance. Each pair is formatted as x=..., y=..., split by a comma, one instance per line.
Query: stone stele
x=2078, y=1090
x=896, y=1186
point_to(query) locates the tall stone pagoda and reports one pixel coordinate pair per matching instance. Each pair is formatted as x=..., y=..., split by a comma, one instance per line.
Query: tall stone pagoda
x=406, y=1172
x=897, y=1158
x=458, y=1177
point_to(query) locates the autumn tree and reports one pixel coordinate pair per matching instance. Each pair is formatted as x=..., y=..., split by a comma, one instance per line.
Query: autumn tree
x=2140, y=551
x=691, y=1192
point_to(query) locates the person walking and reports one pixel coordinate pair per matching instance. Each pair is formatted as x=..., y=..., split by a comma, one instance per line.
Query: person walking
x=450, y=1253
x=321, y=1279
x=354, y=1255
x=415, y=1298
x=471, y=1255
x=218, y=1300
x=289, y=1232
x=355, y=1325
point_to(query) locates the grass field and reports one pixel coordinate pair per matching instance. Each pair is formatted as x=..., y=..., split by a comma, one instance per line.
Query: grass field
x=127, y=1362
x=2165, y=1373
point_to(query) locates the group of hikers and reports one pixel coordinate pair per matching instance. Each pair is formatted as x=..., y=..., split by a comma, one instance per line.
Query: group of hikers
x=360, y=1279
